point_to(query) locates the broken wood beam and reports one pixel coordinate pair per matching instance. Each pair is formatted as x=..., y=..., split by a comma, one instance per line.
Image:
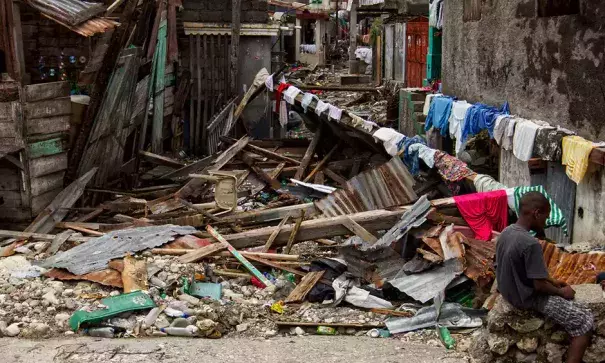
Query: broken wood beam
x=275, y=233
x=198, y=254
x=321, y=163
x=327, y=227
x=308, y=87
x=184, y=251
x=268, y=215
x=306, y=284
x=294, y=232
x=359, y=230
x=79, y=228
x=264, y=152
x=160, y=160
x=208, y=215
x=39, y=236
x=334, y=176
x=247, y=158
x=308, y=154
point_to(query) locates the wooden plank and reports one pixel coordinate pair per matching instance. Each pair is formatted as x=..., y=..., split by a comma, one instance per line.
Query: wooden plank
x=321, y=163
x=264, y=152
x=337, y=178
x=268, y=215
x=160, y=160
x=308, y=154
x=200, y=253
x=188, y=169
x=200, y=130
x=275, y=233
x=275, y=173
x=49, y=108
x=46, y=91
x=191, y=99
x=8, y=129
x=45, y=148
x=11, y=198
x=39, y=236
x=58, y=241
x=47, y=165
x=294, y=232
x=247, y=158
x=253, y=270
x=597, y=156
x=359, y=230
x=47, y=125
x=230, y=153
x=6, y=112
x=39, y=202
x=76, y=227
x=235, y=32
x=16, y=214
x=10, y=179
x=45, y=183
x=306, y=284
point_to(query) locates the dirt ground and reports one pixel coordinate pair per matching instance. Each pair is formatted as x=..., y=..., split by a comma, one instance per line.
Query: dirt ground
x=314, y=349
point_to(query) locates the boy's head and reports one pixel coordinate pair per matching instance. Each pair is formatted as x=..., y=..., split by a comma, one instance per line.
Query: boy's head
x=534, y=209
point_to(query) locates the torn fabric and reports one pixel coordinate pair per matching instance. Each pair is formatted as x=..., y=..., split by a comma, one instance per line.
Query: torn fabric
x=290, y=94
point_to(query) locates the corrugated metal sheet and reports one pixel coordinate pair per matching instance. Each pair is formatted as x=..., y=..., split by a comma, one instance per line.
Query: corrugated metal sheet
x=426, y=285
x=370, y=2
x=95, y=26
x=252, y=30
x=387, y=186
x=589, y=209
x=450, y=315
x=480, y=257
x=572, y=268
x=562, y=190
x=389, y=45
x=399, y=56
x=68, y=12
x=95, y=254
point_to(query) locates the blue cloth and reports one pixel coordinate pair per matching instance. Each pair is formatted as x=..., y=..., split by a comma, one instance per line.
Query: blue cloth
x=480, y=117
x=439, y=114
x=411, y=159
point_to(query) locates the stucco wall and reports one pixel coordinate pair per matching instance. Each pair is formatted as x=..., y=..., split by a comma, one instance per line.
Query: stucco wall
x=548, y=68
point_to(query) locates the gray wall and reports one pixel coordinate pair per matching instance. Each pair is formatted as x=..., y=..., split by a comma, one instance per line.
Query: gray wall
x=219, y=11
x=548, y=68
x=255, y=54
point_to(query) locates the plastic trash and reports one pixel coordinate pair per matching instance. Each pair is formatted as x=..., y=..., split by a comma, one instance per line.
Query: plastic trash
x=152, y=316
x=326, y=330
x=189, y=331
x=445, y=337
x=174, y=313
x=104, y=332
x=374, y=333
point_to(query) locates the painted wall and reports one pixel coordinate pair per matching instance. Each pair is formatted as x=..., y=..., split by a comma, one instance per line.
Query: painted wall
x=549, y=68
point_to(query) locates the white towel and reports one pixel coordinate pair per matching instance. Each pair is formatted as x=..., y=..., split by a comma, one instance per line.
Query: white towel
x=290, y=94
x=459, y=109
x=321, y=107
x=523, y=140
x=306, y=100
x=269, y=83
x=507, y=139
x=390, y=138
x=427, y=102
x=500, y=128
x=335, y=113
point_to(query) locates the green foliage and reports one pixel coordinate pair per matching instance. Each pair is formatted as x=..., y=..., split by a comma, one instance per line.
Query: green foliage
x=376, y=30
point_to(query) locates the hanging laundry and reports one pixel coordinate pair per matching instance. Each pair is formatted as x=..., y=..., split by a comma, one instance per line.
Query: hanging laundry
x=548, y=142
x=306, y=100
x=335, y=113
x=269, y=82
x=390, y=139
x=425, y=153
x=576, y=155
x=357, y=121
x=278, y=96
x=482, y=117
x=458, y=114
x=435, y=14
x=439, y=114
x=484, y=212
x=555, y=218
x=450, y=168
x=290, y=94
x=321, y=107
x=427, y=102
x=410, y=156
x=523, y=140
x=500, y=128
x=485, y=183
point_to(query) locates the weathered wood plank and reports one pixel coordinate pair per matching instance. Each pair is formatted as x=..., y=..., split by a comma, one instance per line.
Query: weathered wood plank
x=48, y=108
x=10, y=198
x=6, y=113
x=40, y=202
x=306, y=284
x=268, y=215
x=47, y=125
x=45, y=183
x=39, y=236
x=45, y=91
x=358, y=230
x=45, y=148
x=161, y=160
x=200, y=253
x=7, y=129
x=17, y=214
x=308, y=154
x=10, y=179
x=47, y=165
x=275, y=233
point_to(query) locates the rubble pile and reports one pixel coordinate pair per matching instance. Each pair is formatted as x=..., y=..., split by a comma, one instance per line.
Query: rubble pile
x=513, y=335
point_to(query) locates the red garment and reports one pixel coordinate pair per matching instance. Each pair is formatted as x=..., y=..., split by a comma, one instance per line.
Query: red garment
x=278, y=93
x=484, y=212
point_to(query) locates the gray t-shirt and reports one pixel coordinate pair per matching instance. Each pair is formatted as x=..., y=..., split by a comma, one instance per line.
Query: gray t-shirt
x=519, y=261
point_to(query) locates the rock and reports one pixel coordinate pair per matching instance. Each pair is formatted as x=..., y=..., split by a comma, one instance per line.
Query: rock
x=180, y=323
x=601, y=327
x=161, y=322
x=499, y=344
x=192, y=320
x=51, y=298
x=596, y=351
x=61, y=319
x=206, y=326
x=553, y=353
x=350, y=331
x=525, y=358
x=189, y=299
x=525, y=326
x=12, y=330
x=270, y=333
x=39, y=329
x=69, y=332
x=528, y=345
x=241, y=328
x=299, y=331
x=559, y=337
x=158, y=333
x=67, y=293
x=114, y=293
x=463, y=345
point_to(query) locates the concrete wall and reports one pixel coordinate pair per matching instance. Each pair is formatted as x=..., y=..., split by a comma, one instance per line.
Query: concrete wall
x=255, y=54
x=219, y=11
x=548, y=68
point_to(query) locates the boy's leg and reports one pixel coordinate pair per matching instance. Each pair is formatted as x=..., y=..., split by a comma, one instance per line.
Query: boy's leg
x=600, y=277
x=577, y=321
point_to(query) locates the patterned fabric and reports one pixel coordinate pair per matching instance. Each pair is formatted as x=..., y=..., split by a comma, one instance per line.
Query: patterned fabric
x=410, y=157
x=547, y=145
x=555, y=217
x=576, y=155
x=576, y=319
x=451, y=168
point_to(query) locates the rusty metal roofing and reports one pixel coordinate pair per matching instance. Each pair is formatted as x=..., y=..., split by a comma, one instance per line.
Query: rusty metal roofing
x=386, y=186
x=68, y=12
x=250, y=29
x=572, y=268
x=95, y=26
x=479, y=260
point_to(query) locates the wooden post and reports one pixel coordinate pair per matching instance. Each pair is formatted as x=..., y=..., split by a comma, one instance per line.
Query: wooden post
x=235, y=30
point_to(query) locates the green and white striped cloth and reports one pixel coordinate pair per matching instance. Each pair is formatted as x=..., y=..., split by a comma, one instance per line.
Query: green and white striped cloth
x=555, y=219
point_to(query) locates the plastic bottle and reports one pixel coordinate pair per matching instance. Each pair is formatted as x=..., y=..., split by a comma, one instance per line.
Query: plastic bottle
x=326, y=330
x=152, y=316
x=174, y=313
x=103, y=332
x=374, y=333
x=446, y=338
x=189, y=331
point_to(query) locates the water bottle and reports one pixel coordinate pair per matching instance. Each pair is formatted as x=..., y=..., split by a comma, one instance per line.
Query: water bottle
x=189, y=331
x=174, y=313
x=152, y=316
x=445, y=337
x=104, y=332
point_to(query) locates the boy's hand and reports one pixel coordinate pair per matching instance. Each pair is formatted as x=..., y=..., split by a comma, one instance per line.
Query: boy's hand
x=568, y=293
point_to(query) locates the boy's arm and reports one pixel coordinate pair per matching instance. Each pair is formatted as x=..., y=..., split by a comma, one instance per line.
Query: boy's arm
x=545, y=287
